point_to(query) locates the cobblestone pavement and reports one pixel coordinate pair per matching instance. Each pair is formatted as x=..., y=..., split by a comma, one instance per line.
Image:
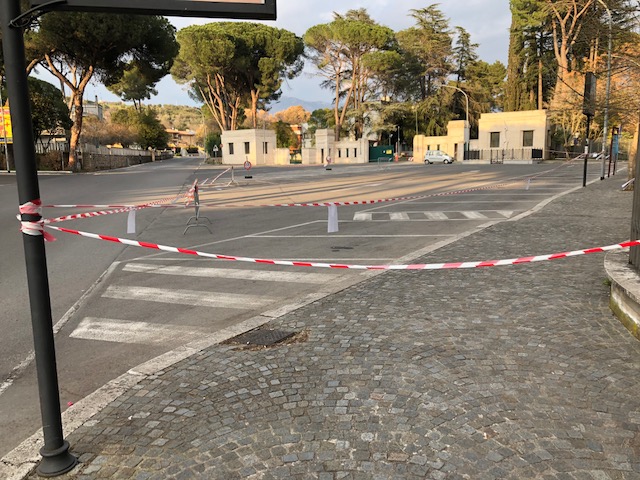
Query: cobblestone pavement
x=517, y=372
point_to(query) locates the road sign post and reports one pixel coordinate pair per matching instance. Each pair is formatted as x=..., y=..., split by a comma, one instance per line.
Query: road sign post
x=56, y=459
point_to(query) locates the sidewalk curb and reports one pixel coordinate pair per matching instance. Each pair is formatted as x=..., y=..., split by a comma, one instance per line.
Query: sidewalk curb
x=625, y=291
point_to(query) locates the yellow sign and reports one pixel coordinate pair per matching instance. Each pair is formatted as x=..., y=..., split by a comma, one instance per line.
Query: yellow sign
x=5, y=124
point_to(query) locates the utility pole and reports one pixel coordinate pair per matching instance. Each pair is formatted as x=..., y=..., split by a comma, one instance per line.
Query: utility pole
x=56, y=458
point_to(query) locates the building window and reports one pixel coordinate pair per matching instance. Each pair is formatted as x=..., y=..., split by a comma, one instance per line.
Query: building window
x=339, y=153
x=527, y=138
x=265, y=148
x=247, y=148
x=495, y=140
x=347, y=150
x=355, y=152
x=231, y=149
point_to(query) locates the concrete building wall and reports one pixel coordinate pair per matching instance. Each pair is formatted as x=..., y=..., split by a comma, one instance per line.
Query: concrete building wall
x=241, y=145
x=282, y=156
x=311, y=156
x=257, y=146
x=452, y=144
x=514, y=130
x=351, y=151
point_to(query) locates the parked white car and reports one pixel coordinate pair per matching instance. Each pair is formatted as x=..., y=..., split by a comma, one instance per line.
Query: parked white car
x=431, y=156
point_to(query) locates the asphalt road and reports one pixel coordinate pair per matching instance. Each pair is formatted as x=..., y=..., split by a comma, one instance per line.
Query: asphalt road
x=115, y=307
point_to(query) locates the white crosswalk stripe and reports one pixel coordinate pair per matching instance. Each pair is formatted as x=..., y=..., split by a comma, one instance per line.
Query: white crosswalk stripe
x=230, y=273
x=128, y=331
x=449, y=215
x=187, y=297
x=474, y=215
x=363, y=217
x=399, y=216
x=124, y=331
x=436, y=216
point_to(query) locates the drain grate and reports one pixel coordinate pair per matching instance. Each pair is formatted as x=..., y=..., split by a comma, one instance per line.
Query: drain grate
x=263, y=337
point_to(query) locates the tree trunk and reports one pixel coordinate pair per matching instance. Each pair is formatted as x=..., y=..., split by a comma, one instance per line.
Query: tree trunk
x=254, y=107
x=336, y=110
x=540, y=89
x=76, y=129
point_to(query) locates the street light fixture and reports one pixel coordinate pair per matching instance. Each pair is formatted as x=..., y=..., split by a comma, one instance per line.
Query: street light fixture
x=466, y=125
x=608, y=91
x=466, y=98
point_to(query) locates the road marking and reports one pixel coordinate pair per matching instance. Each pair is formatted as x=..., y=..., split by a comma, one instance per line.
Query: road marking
x=124, y=331
x=399, y=216
x=187, y=297
x=474, y=215
x=235, y=274
x=404, y=216
x=435, y=216
x=355, y=236
x=363, y=217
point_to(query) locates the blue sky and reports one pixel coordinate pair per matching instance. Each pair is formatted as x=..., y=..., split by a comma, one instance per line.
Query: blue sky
x=486, y=20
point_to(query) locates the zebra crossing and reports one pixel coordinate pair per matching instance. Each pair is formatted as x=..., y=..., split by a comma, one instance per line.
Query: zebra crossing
x=433, y=216
x=140, y=287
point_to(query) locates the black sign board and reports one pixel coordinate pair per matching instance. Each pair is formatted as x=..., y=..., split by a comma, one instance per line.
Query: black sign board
x=240, y=9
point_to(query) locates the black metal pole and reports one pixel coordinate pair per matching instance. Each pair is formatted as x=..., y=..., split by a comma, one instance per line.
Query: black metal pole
x=56, y=458
x=586, y=152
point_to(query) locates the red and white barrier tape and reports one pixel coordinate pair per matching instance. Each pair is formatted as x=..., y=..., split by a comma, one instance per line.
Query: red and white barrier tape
x=428, y=266
x=34, y=228
x=356, y=202
x=119, y=209
x=77, y=216
x=156, y=203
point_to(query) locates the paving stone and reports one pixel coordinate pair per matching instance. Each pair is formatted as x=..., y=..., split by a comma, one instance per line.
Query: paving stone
x=497, y=373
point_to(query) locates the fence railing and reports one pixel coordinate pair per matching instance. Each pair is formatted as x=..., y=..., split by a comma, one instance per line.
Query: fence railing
x=52, y=147
x=500, y=155
x=123, y=152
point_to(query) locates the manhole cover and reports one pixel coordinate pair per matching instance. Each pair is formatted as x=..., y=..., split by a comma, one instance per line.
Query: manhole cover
x=263, y=337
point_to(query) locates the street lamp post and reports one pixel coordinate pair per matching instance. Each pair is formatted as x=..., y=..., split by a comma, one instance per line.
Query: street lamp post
x=466, y=99
x=466, y=125
x=608, y=92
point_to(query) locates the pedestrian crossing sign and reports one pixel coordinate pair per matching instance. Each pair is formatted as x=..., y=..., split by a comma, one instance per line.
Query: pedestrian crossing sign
x=238, y=9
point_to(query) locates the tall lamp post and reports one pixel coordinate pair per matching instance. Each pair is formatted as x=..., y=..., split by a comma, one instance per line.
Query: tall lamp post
x=605, y=127
x=466, y=125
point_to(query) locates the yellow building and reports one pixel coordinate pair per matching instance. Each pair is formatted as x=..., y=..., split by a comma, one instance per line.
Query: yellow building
x=505, y=137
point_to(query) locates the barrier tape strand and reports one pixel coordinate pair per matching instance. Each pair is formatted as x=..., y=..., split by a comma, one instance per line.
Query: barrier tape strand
x=428, y=266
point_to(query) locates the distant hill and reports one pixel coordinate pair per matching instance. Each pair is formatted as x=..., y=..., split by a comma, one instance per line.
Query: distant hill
x=286, y=102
